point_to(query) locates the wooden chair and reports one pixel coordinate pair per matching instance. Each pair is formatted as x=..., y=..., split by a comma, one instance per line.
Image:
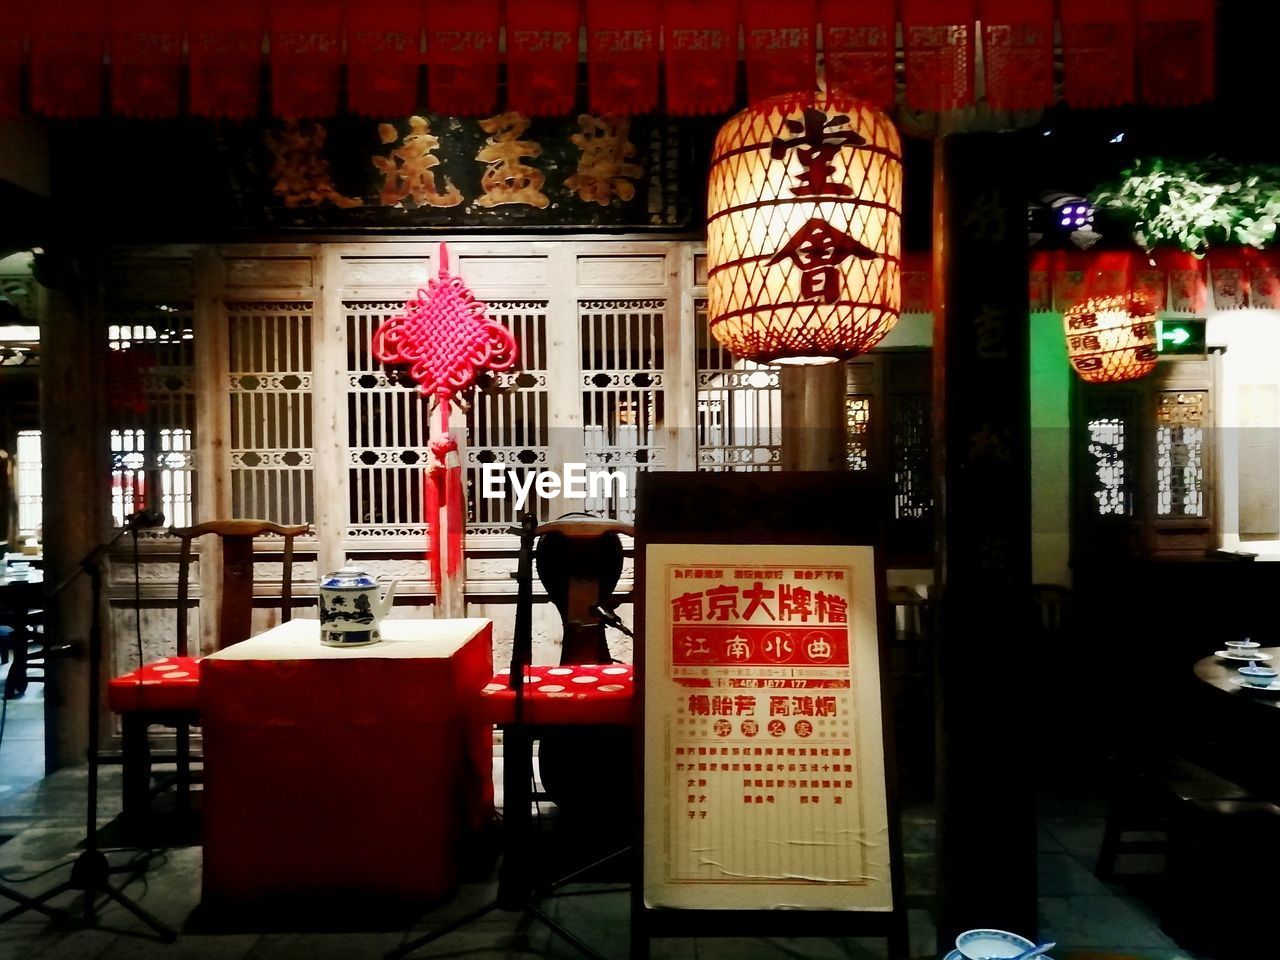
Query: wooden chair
x=167, y=691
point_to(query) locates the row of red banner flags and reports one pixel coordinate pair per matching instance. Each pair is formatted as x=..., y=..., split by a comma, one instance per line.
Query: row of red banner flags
x=1113, y=52
x=1176, y=282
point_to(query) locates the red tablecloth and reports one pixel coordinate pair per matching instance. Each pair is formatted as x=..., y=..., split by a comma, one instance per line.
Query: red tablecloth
x=345, y=771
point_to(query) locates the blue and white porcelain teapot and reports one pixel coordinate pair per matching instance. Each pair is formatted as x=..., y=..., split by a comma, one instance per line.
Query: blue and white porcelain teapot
x=351, y=607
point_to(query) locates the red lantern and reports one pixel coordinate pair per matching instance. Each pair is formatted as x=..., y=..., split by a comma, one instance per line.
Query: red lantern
x=804, y=229
x=1111, y=339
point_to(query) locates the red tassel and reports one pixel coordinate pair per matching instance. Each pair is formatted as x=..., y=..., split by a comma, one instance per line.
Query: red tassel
x=462, y=45
x=1175, y=51
x=1188, y=289
x=225, y=44
x=542, y=57
x=146, y=57
x=701, y=43
x=1229, y=270
x=1097, y=52
x=13, y=32
x=938, y=47
x=432, y=481
x=858, y=37
x=1017, y=42
x=67, y=42
x=779, y=48
x=622, y=56
x=306, y=57
x=384, y=52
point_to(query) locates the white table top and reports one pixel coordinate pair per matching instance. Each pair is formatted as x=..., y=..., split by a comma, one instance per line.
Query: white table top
x=299, y=639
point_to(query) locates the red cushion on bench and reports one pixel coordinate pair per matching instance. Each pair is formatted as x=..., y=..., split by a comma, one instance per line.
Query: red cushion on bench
x=170, y=683
x=580, y=693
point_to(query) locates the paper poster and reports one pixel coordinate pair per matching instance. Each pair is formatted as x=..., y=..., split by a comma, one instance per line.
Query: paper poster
x=764, y=758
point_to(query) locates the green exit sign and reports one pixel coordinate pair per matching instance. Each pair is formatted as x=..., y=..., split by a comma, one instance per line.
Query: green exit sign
x=1181, y=338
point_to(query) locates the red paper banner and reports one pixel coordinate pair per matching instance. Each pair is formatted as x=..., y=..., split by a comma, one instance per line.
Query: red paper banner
x=462, y=49
x=146, y=57
x=67, y=42
x=1040, y=282
x=306, y=57
x=917, y=282
x=1188, y=289
x=1175, y=51
x=858, y=39
x=1151, y=280
x=1229, y=271
x=938, y=49
x=542, y=57
x=225, y=44
x=1097, y=52
x=701, y=45
x=384, y=53
x=13, y=34
x=1264, y=278
x=779, y=48
x=1017, y=39
x=622, y=56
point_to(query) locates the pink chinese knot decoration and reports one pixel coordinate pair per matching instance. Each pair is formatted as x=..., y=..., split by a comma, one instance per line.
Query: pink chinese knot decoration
x=447, y=340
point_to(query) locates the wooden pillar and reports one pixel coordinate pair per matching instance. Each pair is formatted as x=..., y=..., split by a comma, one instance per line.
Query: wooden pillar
x=73, y=448
x=989, y=752
x=813, y=434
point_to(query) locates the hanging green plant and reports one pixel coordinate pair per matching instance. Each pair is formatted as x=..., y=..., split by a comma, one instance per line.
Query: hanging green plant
x=1194, y=205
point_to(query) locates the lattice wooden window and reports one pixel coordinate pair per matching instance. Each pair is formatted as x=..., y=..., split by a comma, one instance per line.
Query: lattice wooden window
x=1111, y=465
x=623, y=395
x=1180, y=453
x=151, y=409
x=857, y=431
x=508, y=422
x=739, y=407
x=271, y=430
x=909, y=441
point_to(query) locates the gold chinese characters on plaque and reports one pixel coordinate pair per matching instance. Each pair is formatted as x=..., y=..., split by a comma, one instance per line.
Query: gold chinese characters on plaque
x=764, y=760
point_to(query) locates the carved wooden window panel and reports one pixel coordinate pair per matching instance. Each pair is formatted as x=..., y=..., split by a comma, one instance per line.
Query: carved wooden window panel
x=857, y=426
x=623, y=394
x=508, y=423
x=911, y=456
x=739, y=407
x=271, y=410
x=151, y=409
x=1180, y=453
x=1109, y=454
x=387, y=432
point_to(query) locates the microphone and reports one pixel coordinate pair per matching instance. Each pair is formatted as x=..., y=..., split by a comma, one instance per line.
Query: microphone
x=146, y=517
x=611, y=618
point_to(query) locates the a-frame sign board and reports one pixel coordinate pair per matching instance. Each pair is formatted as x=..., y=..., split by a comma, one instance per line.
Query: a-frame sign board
x=764, y=762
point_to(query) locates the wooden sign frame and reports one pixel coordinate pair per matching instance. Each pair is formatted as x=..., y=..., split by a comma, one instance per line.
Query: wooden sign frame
x=819, y=509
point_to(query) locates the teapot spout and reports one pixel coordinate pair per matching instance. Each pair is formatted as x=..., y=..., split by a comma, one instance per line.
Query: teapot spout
x=384, y=604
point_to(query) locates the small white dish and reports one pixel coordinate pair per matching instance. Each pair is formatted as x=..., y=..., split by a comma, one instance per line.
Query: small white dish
x=1242, y=657
x=957, y=955
x=1243, y=645
x=992, y=945
x=1242, y=683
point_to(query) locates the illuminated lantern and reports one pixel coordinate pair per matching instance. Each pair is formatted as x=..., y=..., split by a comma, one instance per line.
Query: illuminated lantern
x=1111, y=339
x=804, y=229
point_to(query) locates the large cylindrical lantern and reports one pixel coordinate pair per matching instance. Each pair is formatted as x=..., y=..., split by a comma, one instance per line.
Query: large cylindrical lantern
x=1111, y=339
x=804, y=229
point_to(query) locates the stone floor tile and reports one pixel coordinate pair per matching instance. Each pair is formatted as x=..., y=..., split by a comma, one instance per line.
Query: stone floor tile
x=1107, y=922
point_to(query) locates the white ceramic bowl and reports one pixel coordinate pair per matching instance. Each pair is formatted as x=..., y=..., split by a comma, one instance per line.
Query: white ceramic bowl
x=991, y=944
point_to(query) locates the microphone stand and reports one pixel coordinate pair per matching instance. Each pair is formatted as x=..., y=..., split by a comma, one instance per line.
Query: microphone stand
x=90, y=872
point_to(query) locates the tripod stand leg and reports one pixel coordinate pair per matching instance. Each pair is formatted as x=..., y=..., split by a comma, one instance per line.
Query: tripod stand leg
x=412, y=945
x=26, y=903
x=164, y=933
x=555, y=927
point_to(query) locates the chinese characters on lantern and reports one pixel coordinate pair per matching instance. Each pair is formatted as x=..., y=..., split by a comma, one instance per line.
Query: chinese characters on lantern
x=762, y=720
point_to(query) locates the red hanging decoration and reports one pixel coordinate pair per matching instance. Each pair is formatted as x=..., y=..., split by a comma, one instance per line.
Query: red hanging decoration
x=1151, y=281
x=779, y=48
x=917, y=283
x=1188, y=286
x=858, y=39
x=447, y=339
x=1175, y=51
x=146, y=58
x=1264, y=278
x=1097, y=52
x=225, y=44
x=542, y=57
x=462, y=49
x=1229, y=270
x=938, y=48
x=1017, y=44
x=1040, y=282
x=701, y=44
x=622, y=56
x=306, y=57
x=384, y=53
x=13, y=33
x=1070, y=272
x=67, y=41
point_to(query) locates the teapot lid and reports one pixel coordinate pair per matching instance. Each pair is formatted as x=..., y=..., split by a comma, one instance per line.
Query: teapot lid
x=351, y=575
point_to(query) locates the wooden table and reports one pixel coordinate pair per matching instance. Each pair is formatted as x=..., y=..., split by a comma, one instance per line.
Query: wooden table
x=349, y=773
x=1243, y=724
x=1219, y=673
